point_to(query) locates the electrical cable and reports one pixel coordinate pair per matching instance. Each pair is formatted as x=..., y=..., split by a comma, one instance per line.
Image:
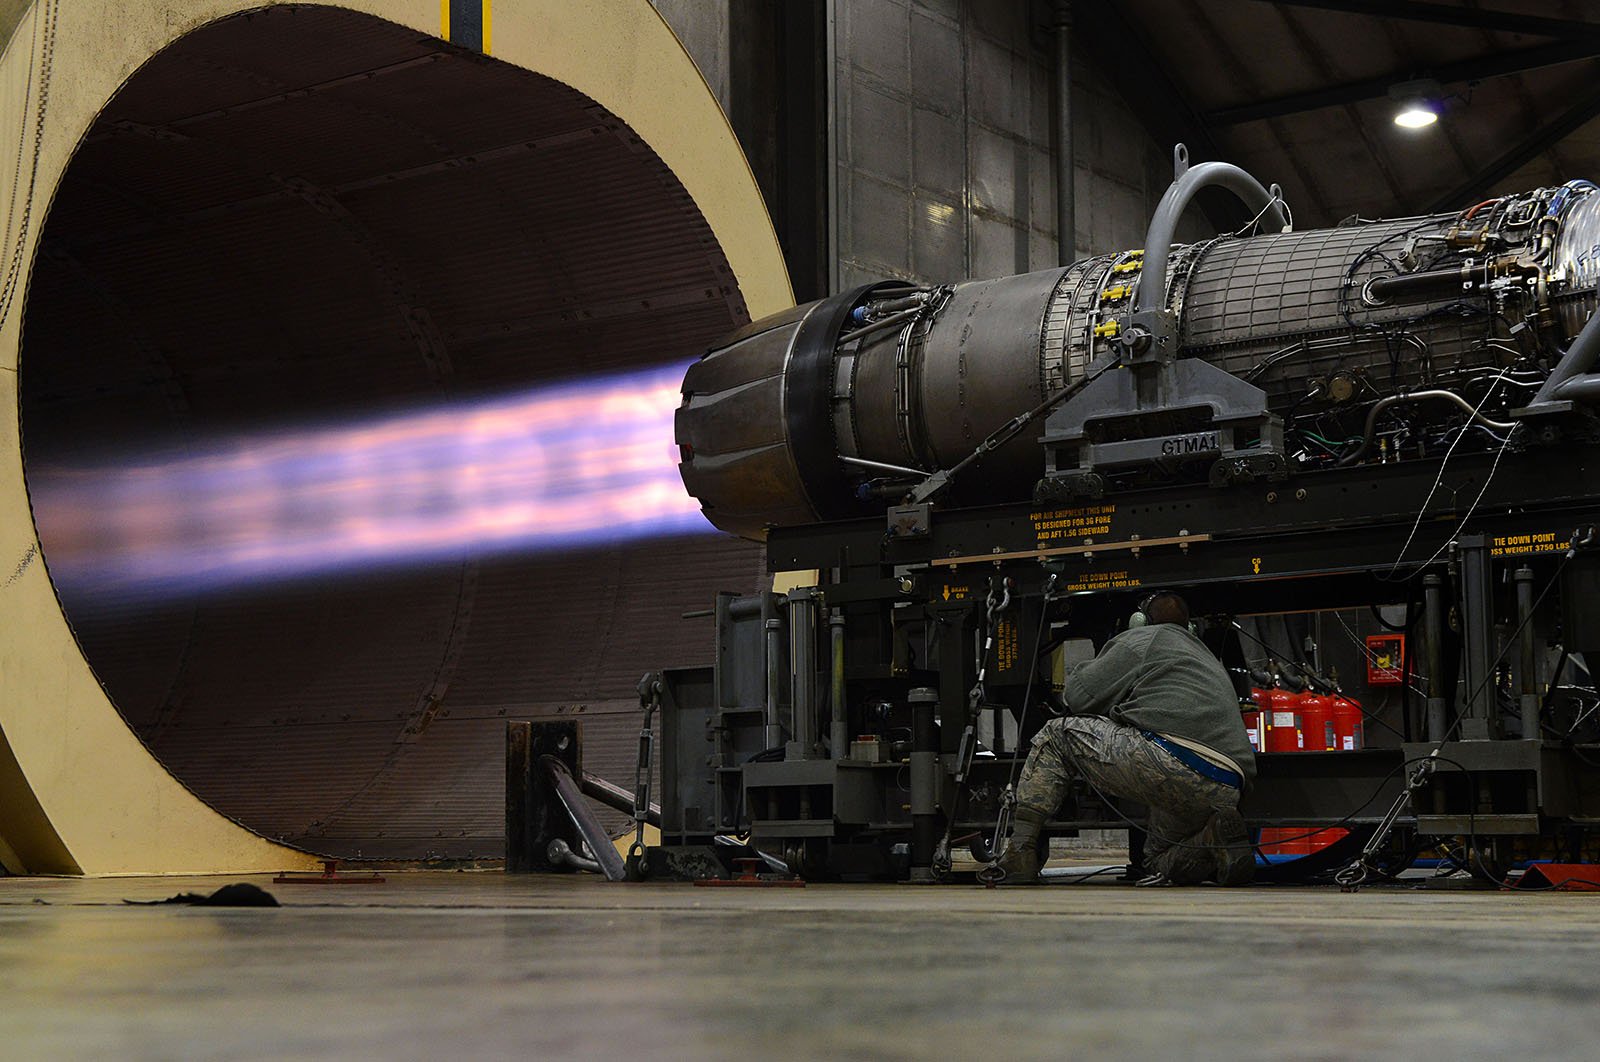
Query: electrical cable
x=1437, y=480
x=1276, y=200
x=1027, y=692
x=1371, y=657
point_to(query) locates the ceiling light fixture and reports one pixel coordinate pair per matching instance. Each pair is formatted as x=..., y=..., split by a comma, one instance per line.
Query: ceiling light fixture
x=1418, y=102
x=1415, y=115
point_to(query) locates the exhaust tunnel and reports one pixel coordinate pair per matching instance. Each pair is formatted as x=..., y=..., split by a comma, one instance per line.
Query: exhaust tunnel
x=303, y=218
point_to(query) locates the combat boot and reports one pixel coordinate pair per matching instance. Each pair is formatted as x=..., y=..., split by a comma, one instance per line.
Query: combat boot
x=1020, y=862
x=1229, y=843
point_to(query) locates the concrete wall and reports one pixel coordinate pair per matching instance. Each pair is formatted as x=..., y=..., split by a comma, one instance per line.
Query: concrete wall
x=945, y=167
x=702, y=26
x=942, y=136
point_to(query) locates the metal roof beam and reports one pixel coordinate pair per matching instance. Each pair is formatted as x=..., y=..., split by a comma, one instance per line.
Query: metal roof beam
x=1446, y=15
x=1478, y=68
x=1530, y=148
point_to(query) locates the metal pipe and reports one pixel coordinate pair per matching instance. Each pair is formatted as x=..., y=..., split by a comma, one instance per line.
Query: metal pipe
x=1441, y=283
x=1417, y=396
x=1577, y=362
x=745, y=607
x=1416, y=287
x=1479, y=719
x=589, y=828
x=1164, y=226
x=1585, y=388
x=1433, y=625
x=802, y=603
x=878, y=326
x=904, y=302
x=615, y=797
x=1066, y=173
x=838, y=731
x=1527, y=655
x=879, y=466
x=775, y=673
x=924, y=782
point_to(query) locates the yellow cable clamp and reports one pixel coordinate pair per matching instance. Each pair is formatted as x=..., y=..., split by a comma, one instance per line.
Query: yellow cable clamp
x=1126, y=267
x=1110, y=328
x=1118, y=291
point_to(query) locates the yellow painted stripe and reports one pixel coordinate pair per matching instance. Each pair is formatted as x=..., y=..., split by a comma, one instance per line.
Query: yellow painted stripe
x=486, y=23
x=444, y=19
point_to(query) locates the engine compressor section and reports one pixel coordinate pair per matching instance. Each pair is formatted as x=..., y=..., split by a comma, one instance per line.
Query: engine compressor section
x=968, y=483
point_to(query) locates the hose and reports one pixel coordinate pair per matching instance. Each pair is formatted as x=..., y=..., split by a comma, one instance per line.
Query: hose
x=1416, y=396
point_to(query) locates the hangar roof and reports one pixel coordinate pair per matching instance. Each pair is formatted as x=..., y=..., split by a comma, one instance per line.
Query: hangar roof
x=1299, y=92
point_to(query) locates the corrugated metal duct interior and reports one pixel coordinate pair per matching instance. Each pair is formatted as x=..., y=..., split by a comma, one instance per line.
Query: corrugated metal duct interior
x=303, y=211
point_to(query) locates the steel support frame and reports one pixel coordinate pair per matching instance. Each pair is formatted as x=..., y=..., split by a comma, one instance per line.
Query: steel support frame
x=1475, y=602
x=1540, y=140
x=1478, y=68
x=1322, y=538
x=1327, y=539
x=1455, y=15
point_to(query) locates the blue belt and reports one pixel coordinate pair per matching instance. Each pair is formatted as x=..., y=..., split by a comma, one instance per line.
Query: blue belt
x=1196, y=762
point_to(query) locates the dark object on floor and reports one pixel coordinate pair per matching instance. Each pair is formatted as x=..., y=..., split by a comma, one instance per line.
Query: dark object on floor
x=749, y=875
x=241, y=894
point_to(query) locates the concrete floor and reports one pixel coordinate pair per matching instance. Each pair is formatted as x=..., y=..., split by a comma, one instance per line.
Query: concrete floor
x=437, y=965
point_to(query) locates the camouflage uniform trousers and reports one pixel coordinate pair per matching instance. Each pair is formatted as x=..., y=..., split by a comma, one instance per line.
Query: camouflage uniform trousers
x=1120, y=761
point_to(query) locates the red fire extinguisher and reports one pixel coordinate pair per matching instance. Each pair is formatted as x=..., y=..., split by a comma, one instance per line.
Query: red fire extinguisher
x=1349, y=723
x=1316, y=722
x=1283, y=721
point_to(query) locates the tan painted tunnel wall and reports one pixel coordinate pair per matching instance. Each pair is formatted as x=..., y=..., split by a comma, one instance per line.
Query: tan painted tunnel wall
x=79, y=793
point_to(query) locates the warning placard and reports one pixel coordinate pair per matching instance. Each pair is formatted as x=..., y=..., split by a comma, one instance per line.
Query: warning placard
x=1085, y=521
x=1526, y=544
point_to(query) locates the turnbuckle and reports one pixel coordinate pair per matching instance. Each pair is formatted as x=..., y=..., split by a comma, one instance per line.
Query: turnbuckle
x=1002, y=823
x=650, y=689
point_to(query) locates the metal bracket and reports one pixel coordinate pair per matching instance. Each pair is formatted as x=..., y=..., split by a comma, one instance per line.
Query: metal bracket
x=1166, y=415
x=1163, y=412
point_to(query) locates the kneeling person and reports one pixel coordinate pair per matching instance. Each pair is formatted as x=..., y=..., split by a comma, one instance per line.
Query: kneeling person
x=1154, y=718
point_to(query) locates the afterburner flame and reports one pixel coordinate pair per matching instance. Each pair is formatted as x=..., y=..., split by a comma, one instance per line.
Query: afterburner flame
x=563, y=466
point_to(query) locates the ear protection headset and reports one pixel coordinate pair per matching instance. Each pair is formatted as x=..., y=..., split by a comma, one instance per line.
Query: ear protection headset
x=1141, y=613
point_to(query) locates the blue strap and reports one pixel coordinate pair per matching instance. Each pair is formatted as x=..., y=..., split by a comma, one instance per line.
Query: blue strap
x=1196, y=762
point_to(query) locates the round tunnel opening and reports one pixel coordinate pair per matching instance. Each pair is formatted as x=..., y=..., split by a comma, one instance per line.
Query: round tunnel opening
x=310, y=215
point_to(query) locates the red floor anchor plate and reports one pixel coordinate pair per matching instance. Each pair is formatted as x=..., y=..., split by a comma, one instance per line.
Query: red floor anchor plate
x=1561, y=877
x=748, y=877
x=329, y=876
